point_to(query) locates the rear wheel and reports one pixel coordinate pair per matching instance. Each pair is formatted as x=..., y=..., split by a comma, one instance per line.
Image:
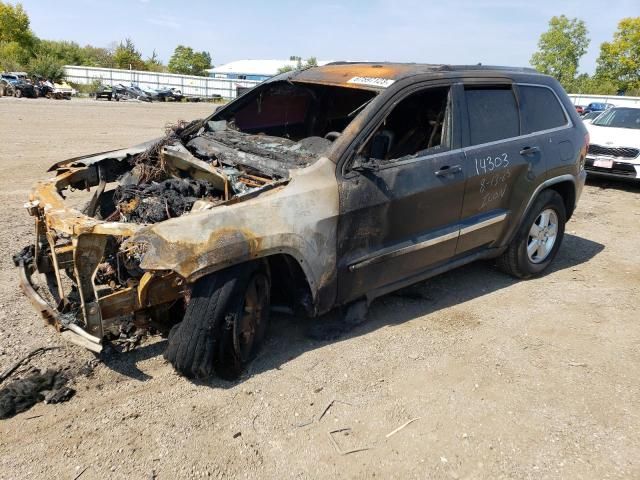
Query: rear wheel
x=224, y=325
x=18, y=93
x=538, y=239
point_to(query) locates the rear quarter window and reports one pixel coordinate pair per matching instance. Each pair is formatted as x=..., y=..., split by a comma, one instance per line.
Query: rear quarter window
x=493, y=114
x=540, y=109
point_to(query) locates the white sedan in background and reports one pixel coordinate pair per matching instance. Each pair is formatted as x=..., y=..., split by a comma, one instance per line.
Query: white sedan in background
x=614, y=145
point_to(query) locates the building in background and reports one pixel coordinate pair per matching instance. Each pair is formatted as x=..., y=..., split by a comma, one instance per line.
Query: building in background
x=252, y=69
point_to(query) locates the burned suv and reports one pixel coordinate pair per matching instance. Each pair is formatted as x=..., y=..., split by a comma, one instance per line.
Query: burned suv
x=320, y=188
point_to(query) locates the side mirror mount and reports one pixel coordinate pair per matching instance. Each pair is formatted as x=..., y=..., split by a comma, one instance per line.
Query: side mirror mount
x=363, y=164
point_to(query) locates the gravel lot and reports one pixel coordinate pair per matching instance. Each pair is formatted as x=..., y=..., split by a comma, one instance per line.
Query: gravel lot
x=507, y=379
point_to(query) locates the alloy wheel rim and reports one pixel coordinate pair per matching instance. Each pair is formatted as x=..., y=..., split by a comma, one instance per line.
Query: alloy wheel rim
x=252, y=318
x=542, y=236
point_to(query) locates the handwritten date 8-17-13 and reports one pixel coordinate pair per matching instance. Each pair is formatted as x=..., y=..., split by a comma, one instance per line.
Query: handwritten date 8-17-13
x=495, y=171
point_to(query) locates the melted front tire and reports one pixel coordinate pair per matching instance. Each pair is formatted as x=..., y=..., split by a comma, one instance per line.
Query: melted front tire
x=217, y=333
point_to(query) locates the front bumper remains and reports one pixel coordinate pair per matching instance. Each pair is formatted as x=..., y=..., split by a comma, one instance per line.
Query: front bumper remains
x=70, y=331
x=58, y=273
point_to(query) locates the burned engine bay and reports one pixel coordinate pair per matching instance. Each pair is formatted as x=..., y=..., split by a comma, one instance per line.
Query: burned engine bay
x=83, y=245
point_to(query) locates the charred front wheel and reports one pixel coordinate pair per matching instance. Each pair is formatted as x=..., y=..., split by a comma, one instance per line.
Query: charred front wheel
x=224, y=324
x=537, y=241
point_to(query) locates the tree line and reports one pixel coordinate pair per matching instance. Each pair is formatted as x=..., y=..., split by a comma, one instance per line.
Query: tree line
x=560, y=49
x=22, y=50
x=617, y=72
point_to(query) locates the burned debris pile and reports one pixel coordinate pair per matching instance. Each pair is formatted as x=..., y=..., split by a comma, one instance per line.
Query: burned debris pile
x=198, y=161
x=22, y=394
x=158, y=201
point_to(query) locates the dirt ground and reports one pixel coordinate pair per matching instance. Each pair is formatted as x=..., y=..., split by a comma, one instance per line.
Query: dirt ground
x=506, y=379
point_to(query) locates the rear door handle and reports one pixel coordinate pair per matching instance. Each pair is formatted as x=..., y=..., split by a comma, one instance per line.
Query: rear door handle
x=529, y=150
x=447, y=170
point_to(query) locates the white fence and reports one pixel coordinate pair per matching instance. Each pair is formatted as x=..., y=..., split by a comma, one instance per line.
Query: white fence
x=207, y=87
x=618, y=101
x=188, y=84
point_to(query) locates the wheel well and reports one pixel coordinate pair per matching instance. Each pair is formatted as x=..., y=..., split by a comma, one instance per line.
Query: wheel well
x=289, y=285
x=568, y=193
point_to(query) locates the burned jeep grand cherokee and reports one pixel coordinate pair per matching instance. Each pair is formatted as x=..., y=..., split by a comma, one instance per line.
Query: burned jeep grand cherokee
x=319, y=188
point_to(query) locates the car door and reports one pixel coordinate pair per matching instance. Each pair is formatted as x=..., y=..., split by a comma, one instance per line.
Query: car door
x=399, y=210
x=502, y=164
x=544, y=123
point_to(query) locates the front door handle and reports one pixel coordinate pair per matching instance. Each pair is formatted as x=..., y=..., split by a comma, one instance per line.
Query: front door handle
x=529, y=151
x=447, y=170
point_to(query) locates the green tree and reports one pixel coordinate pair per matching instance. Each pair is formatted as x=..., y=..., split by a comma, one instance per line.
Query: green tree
x=99, y=57
x=184, y=60
x=585, y=83
x=126, y=56
x=16, y=38
x=46, y=66
x=68, y=53
x=14, y=23
x=154, y=64
x=619, y=60
x=13, y=56
x=309, y=62
x=560, y=49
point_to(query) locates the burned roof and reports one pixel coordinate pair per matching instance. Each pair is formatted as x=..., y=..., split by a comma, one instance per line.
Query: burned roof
x=383, y=74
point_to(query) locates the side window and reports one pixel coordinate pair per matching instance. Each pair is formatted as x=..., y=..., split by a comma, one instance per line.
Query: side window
x=540, y=109
x=418, y=125
x=493, y=114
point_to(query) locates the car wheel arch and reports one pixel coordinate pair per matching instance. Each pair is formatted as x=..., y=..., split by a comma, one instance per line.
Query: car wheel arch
x=290, y=279
x=564, y=185
x=567, y=190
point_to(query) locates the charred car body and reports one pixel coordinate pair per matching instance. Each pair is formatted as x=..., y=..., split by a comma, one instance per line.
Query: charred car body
x=319, y=188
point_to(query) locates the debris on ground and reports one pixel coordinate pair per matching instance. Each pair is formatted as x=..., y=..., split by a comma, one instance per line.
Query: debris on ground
x=393, y=432
x=22, y=394
x=344, y=431
x=4, y=375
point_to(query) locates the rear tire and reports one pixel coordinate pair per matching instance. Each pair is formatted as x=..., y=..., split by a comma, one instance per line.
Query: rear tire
x=18, y=93
x=538, y=239
x=209, y=337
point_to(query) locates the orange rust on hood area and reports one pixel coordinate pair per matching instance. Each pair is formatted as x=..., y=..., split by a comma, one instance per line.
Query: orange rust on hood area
x=341, y=73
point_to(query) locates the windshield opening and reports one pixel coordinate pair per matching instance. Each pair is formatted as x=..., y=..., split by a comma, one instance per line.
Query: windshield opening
x=619, y=118
x=296, y=110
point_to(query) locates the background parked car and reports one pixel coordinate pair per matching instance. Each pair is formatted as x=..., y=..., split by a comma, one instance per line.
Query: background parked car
x=104, y=91
x=14, y=85
x=590, y=117
x=44, y=88
x=169, y=94
x=597, y=107
x=4, y=84
x=131, y=92
x=614, y=145
x=62, y=90
x=579, y=109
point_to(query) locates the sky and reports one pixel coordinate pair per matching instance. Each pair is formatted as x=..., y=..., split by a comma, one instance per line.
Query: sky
x=493, y=32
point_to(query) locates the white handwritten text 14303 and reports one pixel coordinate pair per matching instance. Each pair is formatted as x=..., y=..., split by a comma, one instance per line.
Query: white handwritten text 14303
x=491, y=163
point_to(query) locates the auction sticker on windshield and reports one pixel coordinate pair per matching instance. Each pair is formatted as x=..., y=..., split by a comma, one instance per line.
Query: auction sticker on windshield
x=372, y=81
